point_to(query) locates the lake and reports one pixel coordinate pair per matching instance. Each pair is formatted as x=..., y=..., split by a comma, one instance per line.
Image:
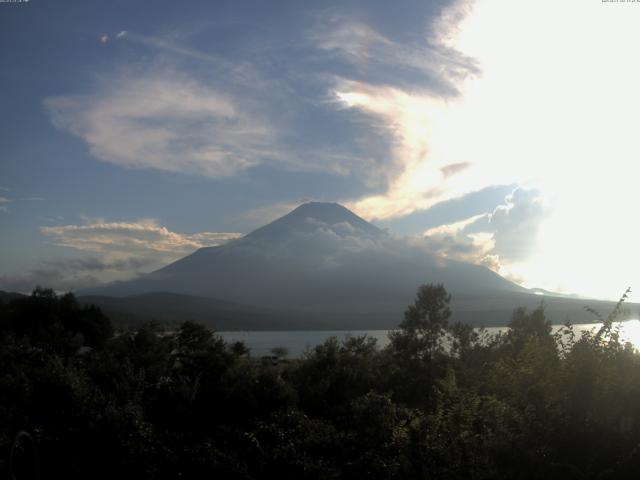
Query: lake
x=296, y=342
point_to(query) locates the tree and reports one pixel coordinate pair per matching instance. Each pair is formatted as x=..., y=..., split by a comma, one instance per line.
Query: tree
x=418, y=342
x=239, y=349
x=194, y=338
x=526, y=327
x=425, y=322
x=280, y=352
x=57, y=323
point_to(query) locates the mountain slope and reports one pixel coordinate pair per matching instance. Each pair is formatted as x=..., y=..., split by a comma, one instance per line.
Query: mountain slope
x=323, y=265
x=319, y=253
x=489, y=310
x=166, y=307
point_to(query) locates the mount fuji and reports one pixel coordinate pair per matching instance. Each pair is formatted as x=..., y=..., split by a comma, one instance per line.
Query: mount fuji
x=318, y=267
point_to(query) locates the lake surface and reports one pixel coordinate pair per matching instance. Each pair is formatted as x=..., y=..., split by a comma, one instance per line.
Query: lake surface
x=296, y=342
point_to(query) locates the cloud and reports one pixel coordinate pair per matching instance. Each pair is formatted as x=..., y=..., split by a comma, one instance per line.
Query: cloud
x=141, y=237
x=168, y=121
x=515, y=225
x=165, y=46
x=433, y=114
x=523, y=121
x=121, y=34
x=499, y=239
x=5, y=201
x=406, y=109
x=119, y=251
x=425, y=61
x=220, y=111
x=456, y=242
x=417, y=179
x=73, y=273
x=452, y=169
x=330, y=242
x=317, y=248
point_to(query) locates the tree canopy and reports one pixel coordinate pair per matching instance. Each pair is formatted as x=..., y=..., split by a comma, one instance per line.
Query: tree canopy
x=441, y=401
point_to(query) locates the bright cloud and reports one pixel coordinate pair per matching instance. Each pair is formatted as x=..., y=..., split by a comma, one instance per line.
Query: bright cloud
x=417, y=178
x=111, y=251
x=456, y=242
x=144, y=236
x=168, y=121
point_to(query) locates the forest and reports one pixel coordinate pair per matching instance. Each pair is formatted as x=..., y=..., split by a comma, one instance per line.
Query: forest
x=79, y=399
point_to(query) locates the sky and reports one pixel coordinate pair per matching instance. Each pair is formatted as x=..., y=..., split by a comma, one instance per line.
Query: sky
x=499, y=132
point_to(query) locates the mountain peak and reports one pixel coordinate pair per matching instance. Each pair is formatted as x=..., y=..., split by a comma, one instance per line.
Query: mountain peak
x=326, y=212
x=309, y=215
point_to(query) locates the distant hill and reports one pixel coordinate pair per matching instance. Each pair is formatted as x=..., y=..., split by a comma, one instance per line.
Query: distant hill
x=172, y=308
x=320, y=266
x=8, y=296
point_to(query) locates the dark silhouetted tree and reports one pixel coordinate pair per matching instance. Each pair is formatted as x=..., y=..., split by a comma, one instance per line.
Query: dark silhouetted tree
x=419, y=341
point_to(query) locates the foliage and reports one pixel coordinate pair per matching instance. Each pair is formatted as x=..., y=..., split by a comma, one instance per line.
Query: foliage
x=441, y=401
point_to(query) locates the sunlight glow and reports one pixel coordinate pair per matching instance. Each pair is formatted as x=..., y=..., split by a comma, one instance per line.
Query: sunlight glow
x=555, y=108
x=563, y=94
